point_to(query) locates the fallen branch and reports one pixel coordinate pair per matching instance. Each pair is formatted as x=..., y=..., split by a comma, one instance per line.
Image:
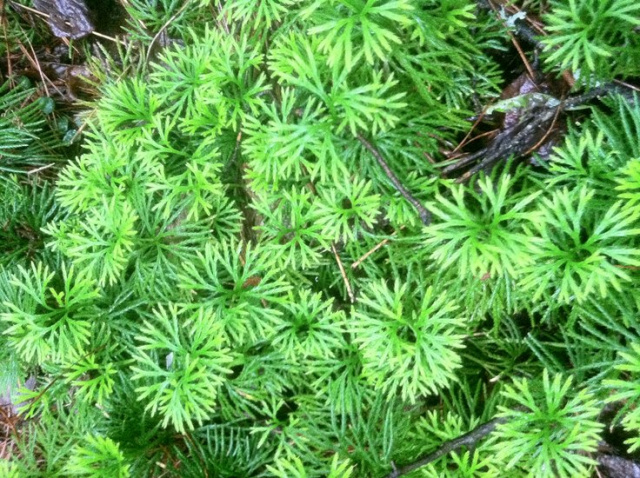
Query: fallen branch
x=468, y=440
x=531, y=130
x=618, y=467
x=425, y=215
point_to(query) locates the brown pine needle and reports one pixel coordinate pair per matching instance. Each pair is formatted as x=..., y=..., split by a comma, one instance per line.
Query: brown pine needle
x=343, y=273
x=372, y=250
x=546, y=134
x=473, y=127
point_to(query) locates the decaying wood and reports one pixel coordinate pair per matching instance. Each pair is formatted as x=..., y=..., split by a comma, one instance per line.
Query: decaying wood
x=468, y=440
x=67, y=18
x=613, y=466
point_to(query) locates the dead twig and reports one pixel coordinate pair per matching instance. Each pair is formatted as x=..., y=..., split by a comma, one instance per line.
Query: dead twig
x=513, y=141
x=546, y=135
x=4, y=23
x=36, y=66
x=468, y=440
x=516, y=44
x=236, y=148
x=163, y=28
x=473, y=127
x=343, y=274
x=40, y=169
x=425, y=215
x=107, y=37
x=372, y=250
x=628, y=85
x=524, y=137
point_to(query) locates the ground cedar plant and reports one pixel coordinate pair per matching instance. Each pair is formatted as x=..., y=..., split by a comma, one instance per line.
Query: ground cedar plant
x=255, y=266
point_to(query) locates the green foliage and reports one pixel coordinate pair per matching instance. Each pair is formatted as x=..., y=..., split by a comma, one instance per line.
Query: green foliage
x=594, y=37
x=224, y=277
x=181, y=366
x=25, y=139
x=371, y=25
x=29, y=141
x=127, y=109
x=8, y=469
x=551, y=432
x=147, y=17
x=627, y=390
x=408, y=344
x=349, y=210
x=630, y=182
x=49, y=317
x=26, y=206
x=482, y=231
x=435, y=428
x=621, y=128
x=584, y=161
x=294, y=227
x=580, y=249
x=97, y=457
x=310, y=328
x=293, y=467
x=226, y=451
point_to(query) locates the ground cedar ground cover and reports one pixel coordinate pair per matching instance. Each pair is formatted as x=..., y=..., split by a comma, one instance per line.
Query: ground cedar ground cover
x=310, y=238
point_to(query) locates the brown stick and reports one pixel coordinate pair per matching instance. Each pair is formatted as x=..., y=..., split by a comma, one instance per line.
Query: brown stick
x=374, y=249
x=162, y=29
x=343, y=273
x=467, y=440
x=425, y=215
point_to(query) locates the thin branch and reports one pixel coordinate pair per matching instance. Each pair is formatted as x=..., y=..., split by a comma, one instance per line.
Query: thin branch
x=604, y=90
x=36, y=65
x=468, y=440
x=521, y=27
x=425, y=215
x=627, y=85
x=546, y=135
x=343, y=274
x=4, y=23
x=473, y=127
x=163, y=28
x=236, y=148
x=107, y=37
x=368, y=253
x=41, y=168
x=523, y=57
x=374, y=249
